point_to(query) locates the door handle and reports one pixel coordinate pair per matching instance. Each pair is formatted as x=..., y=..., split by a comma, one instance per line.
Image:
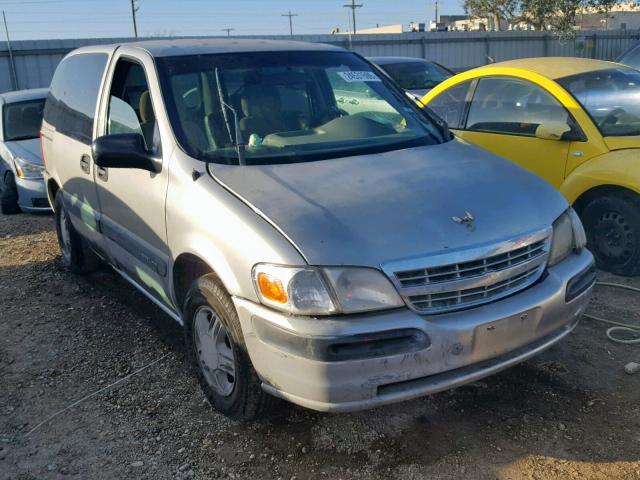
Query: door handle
x=85, y=164
x=103, y=174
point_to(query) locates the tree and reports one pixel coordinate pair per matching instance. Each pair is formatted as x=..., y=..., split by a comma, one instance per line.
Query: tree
x=537, y=13
x=494, y=10
x=557, y=15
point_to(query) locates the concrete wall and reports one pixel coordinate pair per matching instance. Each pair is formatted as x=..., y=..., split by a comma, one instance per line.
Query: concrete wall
x=35, y=61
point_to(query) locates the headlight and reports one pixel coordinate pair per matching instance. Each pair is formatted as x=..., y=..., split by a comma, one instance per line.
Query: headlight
x=568, y=236
x=26, y=169
x=316, y=291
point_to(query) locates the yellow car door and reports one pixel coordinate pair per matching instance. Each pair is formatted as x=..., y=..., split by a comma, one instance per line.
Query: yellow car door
x=516, y=119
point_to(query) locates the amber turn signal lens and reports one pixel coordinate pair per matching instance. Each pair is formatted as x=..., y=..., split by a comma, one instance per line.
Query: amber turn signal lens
x=271, y=288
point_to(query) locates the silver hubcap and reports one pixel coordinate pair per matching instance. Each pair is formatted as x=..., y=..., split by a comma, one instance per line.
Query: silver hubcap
x=214, y=350
x=64, y=233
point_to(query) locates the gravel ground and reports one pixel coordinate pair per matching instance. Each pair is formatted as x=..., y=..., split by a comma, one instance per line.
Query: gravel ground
x=570, y=413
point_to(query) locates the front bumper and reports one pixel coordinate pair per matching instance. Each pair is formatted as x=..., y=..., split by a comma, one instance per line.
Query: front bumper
x=360, y=361
x=32, y=195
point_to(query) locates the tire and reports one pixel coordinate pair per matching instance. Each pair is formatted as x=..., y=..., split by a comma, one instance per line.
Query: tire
x=612, y=223
x=214, y=342
x=9, y=195
x=77, y=257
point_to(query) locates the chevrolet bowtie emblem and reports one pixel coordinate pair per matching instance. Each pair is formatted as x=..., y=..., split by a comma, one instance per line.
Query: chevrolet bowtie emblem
x=466, y=219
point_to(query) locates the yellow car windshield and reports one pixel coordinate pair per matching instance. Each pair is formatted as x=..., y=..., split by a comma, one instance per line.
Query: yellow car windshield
x=611, y=97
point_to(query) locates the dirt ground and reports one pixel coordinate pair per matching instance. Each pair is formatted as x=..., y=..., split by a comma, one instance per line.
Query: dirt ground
x=570, y=413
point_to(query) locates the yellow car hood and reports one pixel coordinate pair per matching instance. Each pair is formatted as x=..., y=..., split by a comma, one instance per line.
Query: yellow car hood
x=622, y=143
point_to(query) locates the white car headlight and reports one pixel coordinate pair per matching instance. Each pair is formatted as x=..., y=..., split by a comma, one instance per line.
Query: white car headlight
x=324, y=291
x=568, y=236
x=26, y=169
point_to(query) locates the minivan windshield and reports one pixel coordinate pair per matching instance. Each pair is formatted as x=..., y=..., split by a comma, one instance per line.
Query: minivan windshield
x=22, y=120
x=287, y=107
x=611, y=97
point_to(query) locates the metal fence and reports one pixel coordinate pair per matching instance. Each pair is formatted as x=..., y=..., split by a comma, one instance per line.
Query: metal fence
x=32, y=63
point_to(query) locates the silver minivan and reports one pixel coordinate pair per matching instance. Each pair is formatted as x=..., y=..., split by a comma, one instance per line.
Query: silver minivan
x=336, y=256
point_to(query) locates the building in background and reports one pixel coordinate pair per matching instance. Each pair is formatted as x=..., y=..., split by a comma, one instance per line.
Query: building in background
x=397, y=28
x=625, y=16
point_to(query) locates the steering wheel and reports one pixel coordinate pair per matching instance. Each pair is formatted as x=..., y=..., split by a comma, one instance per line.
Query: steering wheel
x=612, y=115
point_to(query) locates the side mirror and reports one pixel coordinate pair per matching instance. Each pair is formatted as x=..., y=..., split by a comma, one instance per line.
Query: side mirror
x=553, y=131
x=124, y=150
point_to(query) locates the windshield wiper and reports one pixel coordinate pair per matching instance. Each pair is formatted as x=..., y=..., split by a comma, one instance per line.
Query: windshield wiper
x=224, y=106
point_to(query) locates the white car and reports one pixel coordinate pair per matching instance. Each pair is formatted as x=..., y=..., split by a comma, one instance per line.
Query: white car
x=22, y=186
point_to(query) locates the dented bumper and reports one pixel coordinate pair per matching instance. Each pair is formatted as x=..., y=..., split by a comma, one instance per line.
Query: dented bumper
x=354, y=362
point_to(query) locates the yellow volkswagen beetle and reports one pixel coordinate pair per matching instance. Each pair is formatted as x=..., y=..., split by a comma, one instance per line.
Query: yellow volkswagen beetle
x=576, y=123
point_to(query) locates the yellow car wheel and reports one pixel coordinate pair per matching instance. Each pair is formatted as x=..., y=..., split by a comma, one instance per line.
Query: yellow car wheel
x=612, y=223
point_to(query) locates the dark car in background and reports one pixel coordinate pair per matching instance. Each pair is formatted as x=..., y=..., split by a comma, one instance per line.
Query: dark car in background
x=415, y=75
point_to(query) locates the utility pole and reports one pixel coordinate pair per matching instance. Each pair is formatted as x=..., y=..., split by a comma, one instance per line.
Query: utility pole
x=228, y=30
x=290, y=15
x=436, y=14
x=134, y=9
x=353, y=7
x=14, y=77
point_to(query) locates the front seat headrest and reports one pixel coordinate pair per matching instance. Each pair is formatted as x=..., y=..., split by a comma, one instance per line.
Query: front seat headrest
x=260, y=101
x=146, y=108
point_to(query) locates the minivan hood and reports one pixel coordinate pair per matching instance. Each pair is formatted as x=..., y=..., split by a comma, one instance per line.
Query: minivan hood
x=370, y=209
x=27, y=149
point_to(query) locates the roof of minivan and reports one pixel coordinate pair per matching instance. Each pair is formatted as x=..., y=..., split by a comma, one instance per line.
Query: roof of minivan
x=201, y=46
x=24, y=95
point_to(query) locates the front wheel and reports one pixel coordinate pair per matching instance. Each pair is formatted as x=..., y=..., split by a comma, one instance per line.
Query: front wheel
x=9, y=195
x=612, y=224
x=216, y=348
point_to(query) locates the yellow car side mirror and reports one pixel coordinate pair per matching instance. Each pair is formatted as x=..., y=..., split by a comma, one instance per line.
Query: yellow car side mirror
x=552, y=130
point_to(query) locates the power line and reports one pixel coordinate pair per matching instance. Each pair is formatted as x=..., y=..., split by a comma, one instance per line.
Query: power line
x=290, y=15
x=14, y=77
x=228, y=30
x=134, y=9
x=353, y=7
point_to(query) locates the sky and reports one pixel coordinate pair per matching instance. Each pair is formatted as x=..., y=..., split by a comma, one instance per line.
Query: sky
x=47, y=19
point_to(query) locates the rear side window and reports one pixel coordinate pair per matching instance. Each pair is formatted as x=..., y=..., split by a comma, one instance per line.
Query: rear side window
x=451, y=103
x=512, y=106
x=73, y=95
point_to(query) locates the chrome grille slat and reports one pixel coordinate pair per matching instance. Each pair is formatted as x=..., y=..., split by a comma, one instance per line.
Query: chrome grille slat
x=470, y=282
x=422, y=277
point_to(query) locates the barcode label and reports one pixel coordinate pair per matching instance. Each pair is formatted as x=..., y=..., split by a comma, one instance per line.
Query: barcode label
x=359, y=77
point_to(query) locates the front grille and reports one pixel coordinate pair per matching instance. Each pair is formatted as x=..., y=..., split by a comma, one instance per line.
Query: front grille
x=490, y=274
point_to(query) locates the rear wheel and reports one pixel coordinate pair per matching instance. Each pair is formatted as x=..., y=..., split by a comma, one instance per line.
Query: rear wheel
x=9, y=195
x=77, y=257
x=217, y=351
x=612, y=223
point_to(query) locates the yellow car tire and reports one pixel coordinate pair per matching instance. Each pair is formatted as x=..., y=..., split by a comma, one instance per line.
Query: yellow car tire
x=612, y=223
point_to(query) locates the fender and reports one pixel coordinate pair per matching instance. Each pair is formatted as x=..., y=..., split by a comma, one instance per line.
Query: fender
x=619, y=168
x=207, y=221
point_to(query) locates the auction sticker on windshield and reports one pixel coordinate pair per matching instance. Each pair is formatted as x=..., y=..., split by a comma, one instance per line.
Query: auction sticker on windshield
x=359, y=76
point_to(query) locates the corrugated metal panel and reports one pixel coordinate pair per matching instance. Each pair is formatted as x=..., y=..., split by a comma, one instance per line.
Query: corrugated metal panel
x=35, y=60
